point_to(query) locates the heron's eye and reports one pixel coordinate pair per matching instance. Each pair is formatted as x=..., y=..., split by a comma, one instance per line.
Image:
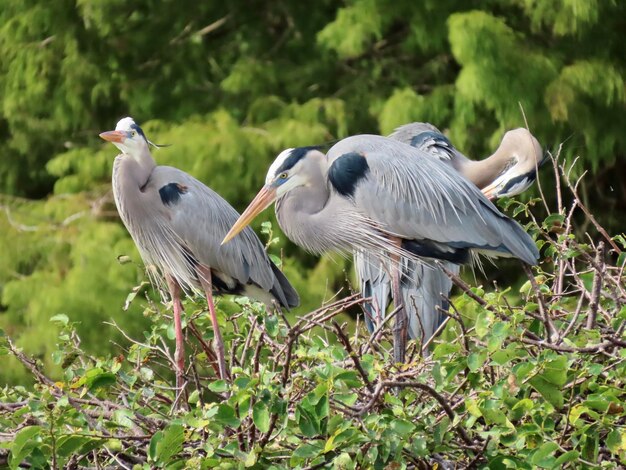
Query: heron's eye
x=283, y=176
x=133, y=133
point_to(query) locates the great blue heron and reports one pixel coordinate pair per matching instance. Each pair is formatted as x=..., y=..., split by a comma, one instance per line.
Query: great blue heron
x=375, y=194
x=177, y=223
x=509, y=171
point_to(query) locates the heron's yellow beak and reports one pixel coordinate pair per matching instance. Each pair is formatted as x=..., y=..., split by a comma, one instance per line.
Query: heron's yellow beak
x=262, y=200
x=114, y=136
x=490, y=191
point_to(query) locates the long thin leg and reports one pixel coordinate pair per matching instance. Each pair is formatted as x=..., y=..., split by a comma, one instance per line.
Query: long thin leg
x=207, y=285
x=401, y=323
x=179, y=354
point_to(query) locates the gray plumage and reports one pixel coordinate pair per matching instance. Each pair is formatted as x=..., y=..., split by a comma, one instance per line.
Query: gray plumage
x=513, y=165
x=377, y=195
x=175, y=237
x=177, y=224
x=414, y=197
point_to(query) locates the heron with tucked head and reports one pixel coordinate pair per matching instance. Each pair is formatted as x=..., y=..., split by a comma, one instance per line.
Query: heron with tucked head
x=425, y=289
x=378, y=195
x=177, y=224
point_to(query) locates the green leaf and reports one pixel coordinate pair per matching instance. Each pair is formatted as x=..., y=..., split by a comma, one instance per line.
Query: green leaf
x=123, y=417
x=566, y=457
x=346, y=398
x=307, y=451
x=616, y=441
x=483, y=321
x=226, y=416
x=250, y=459
x=170, y=444
x=271, y=325
x=548, y=391
x=402, y=427
x=522, y=370
x=71, y=444
x=23, y=445
x=544, y=455
x=194, y=397
x=308, y=423
x=154, y=442
x=61, y=318
x=218, y=386
x=553, y=221
x=476, y=360
x=261, y=416
x=555, y=371
x=104, y=379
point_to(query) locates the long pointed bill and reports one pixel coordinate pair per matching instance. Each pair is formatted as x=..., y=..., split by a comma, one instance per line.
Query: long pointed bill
x=490, y=191
x=113, y=136
x=262, y=200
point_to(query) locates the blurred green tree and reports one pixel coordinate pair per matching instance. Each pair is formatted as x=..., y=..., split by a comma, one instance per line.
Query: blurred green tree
x=230, y=84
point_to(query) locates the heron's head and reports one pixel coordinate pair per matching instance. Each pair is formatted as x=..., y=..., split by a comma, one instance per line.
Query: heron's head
x=127, y=136
x=288, y=172
x=524, y=156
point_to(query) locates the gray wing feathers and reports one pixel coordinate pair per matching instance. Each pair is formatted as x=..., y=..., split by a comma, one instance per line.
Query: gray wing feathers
x=201, y=218
x=407, y=132
x=283, y=290
x=427, y=138
x=422, y=198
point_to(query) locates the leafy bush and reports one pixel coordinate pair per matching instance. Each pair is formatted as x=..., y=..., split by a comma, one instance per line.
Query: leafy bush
x=540, y=384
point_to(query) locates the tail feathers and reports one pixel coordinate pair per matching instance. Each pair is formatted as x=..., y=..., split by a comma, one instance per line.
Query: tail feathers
x=376, y=308
x=522, y=245
x=517, y=241
x=512, y=239
x=282, y=290
x=425, y=298
x=375, y=284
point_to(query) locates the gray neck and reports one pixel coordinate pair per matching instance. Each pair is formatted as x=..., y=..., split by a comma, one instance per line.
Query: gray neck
x=484, y=172
x=130, y=176
x=306, y=216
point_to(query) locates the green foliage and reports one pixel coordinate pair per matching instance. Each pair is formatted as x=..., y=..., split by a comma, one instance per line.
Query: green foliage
x=538, y=385
x=230, y=85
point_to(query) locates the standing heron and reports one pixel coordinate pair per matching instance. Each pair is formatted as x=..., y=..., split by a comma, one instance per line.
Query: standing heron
x=378, y=195
x=177, y=224
x=509, y=171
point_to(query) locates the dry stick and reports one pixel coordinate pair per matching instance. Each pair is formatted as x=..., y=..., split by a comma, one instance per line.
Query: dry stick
x=589, y=259
x=543, y=198
x=551, y=332
x=208, y=350
x=257, y=353
x=440, y=328
x=597, y=285
x=374, y=336
x=593, y=220
x=246, y=344
x=480, y=454
x=41, y=378
x=466, y=288
x=196, y=381
x=587, y=349
x=293, y=337
x=459, y=319
x=573, y=321
x=357, y=363
x=563, y=262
